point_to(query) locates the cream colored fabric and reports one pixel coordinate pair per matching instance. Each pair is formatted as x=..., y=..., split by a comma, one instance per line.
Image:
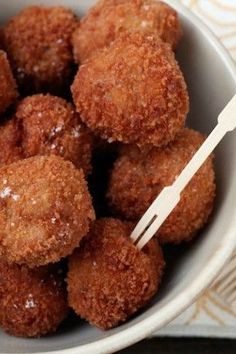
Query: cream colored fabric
x=220, y=16
x=214, y=313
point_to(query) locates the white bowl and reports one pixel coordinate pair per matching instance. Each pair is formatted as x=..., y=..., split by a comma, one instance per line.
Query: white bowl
x=211, y=78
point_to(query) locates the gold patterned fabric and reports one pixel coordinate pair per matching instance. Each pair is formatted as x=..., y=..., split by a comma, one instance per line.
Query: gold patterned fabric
x=214, y=313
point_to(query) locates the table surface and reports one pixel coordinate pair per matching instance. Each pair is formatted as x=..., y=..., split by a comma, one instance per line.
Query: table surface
x=181, y=346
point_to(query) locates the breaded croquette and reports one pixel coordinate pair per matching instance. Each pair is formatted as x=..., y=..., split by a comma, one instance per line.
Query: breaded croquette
x=38, y=43
x=133, y=92
x=33, y=302
x=49, y=125
x=45, y=210
x=109, y=279
x=109, y=18
x=139, y=176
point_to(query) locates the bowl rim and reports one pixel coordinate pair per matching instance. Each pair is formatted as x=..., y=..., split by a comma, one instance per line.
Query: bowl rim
x=215, y=263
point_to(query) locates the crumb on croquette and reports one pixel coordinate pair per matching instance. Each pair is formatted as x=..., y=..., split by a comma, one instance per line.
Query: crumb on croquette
x=109, y=279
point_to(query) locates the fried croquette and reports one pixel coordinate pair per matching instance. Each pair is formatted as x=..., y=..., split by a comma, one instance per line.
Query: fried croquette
x=108, y=19
x=10, y=143
x=38, y=43
x=8, y=90
x=139, y=176
x=45, y=210
x=133, y=92
x=33, y=302
x=49, y=125
x=46, y=125
x=109, y=279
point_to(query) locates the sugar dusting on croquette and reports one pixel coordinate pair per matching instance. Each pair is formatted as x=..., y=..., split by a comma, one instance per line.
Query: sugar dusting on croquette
x=30, y=302
x=7, y=192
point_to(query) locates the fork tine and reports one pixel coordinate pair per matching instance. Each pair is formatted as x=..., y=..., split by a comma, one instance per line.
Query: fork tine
x=165, y=197
x=150, y=232
x=143, y=224
x=146, y=219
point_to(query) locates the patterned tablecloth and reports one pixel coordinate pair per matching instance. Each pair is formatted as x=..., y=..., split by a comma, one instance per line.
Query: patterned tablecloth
x=214, y=313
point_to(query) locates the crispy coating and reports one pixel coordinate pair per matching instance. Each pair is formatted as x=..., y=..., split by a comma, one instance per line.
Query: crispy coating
x=45, y=210
x=139, y=176
x=133, y=92
x=32, y=302
x=38, y=43
x=46, y=125
x=109, y=279
x=108, y=19
x=49, y=125
x=8, y=91
x=10, y=143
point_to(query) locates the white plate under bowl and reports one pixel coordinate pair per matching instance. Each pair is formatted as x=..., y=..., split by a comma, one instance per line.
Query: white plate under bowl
x=211, y=78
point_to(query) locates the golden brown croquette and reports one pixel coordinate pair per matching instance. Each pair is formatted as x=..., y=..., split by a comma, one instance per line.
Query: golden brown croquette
x=8, y=91
x=46, y=125
x=139, y=176
x=38, y=43
x=133, y=92
x=108, y=19
x=33, y=302
x=50, y=126
x=109, y=279
x=45, y=210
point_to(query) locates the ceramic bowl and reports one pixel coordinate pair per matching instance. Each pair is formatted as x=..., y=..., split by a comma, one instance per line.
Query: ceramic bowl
x=211, y=78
